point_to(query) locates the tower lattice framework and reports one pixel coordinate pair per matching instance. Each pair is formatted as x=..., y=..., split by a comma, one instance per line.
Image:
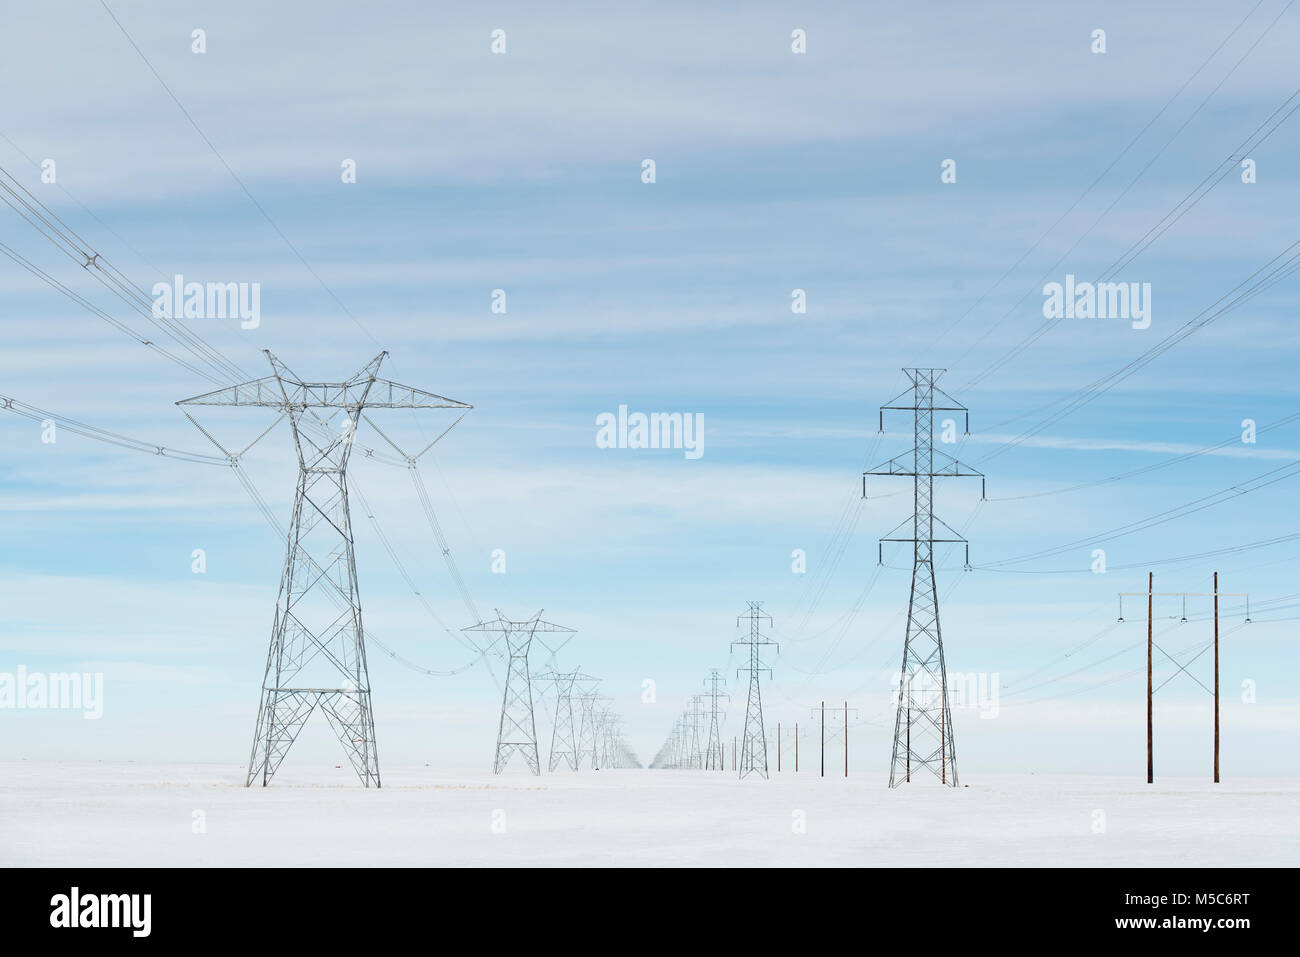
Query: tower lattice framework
x=697, y=722
x=588, y=729
x=923, y=738
x=317, y=656
x=517, y=730
x=753, y=752
x=715, y=757
x=564, y=743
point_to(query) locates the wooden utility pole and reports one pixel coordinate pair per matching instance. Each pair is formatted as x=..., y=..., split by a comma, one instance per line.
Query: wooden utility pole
x=733, y=754
x=1216, y=677
x=846, y=739
x=1151, y=594
x=1151, y=768
x=820, y=713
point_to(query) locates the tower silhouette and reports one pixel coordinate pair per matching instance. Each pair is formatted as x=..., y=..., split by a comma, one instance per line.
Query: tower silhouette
x=317, y=656
x=588, y=729
x=715, y=756
x=923, y=736
x=564, y=746
x=517, y=730
x=753, y=753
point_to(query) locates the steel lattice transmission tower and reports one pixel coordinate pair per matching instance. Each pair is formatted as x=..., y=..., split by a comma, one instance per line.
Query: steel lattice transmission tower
x=317, y=657
x=715, y=757
x=564, y=746
x=564, y=734
x=696, y=719
x=923, y=726
x=588, y=730
x=753, y=753
x=605, y=736
x=517, y=731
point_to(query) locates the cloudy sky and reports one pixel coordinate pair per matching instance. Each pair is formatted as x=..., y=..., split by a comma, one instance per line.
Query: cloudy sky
x=775, y=171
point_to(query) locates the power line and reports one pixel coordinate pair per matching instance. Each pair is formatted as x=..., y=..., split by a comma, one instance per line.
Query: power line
x=235, y=176
x=1290, y=262
x=1166, y=222
x=1165, y=463
x=1263, y=480
x=36, y=414
x=18, y=198
x=1093, y=185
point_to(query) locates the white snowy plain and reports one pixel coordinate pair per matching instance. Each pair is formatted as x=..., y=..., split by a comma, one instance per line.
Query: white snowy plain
x=56, y=814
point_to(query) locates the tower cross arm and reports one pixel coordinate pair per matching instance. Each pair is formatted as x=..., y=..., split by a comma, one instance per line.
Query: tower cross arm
x=923, y=408
x=759, y=640
x=264, y=393
x=368, y=393
x=385, y=394
x=501, y=624
x=897, y=402
x=898, y=465
x=280, y=392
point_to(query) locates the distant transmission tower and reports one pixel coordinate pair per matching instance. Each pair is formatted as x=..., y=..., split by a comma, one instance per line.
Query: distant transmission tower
x=564, y=746
x=923, y=726
x=715, y=758
x=517, y=730
x=697, y=720
x=564, y=735
x=609, y=726
x=317, y=657
x=588, y=731
x=753, y=754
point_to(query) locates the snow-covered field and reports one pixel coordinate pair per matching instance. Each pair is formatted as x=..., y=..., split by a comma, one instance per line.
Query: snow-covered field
x=200, y=815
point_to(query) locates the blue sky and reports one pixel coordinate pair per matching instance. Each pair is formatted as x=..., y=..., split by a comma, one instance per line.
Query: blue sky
x=775, y=171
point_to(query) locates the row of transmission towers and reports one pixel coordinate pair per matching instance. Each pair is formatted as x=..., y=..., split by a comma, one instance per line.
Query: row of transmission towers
x=591, y=738
x=923, y=738
x=317, y=656
x=317, y=660
x=696, y=739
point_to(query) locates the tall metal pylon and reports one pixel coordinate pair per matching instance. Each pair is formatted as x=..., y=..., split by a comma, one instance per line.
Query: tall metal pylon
x=317, y=656
x=697, y=716
x=564, y=734
x=517, y=731
x=923, y=736
x=753, y=753
x=564, y=745
x=605, y=737
x=715, y=758
x=587, y=729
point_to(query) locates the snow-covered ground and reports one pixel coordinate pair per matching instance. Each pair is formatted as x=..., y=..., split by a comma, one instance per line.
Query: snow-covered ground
x=200, y=815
